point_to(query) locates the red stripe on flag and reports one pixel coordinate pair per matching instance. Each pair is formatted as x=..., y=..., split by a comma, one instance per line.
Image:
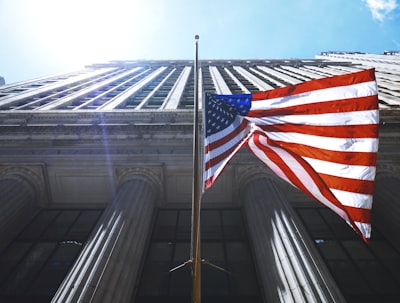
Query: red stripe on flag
x=217, y=159
x=334, y=131
x=335, y=106
x=362, y=215
x=348, y=184
x=335, y=81
x=209, y=182
x=350, y=158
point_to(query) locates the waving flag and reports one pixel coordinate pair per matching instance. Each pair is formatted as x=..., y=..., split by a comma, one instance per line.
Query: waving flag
x=321, y=136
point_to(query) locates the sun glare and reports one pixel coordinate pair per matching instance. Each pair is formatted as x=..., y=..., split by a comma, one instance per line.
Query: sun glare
x=89, y=31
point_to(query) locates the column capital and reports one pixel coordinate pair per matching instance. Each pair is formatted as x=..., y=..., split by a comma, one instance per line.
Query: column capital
x=34, y=175
x=151, y=174
x=246, y=174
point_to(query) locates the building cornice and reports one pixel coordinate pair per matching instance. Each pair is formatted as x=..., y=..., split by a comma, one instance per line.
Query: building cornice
x=116, y=117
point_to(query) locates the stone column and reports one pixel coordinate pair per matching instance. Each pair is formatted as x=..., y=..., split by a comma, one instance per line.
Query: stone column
x=107, y=269
x=386, y=208
x=289, y=266
x=17, y=199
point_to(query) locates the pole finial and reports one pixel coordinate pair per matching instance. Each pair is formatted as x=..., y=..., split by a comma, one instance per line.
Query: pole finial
x=197, y=37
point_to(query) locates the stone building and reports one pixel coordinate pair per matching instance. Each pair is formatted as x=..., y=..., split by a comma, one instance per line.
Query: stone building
x=96, y=174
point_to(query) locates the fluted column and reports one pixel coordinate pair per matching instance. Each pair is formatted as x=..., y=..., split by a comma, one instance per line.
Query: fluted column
x=289, y=267
x=107, y=269
x=17, y=198
x=386, y=208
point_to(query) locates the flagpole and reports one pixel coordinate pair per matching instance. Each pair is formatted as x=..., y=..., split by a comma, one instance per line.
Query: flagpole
x=195, y=250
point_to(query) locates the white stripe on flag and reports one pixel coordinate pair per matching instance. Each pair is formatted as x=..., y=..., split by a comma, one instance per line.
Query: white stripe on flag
x=328, y=143
x=331, y=119
x=358, y=172
x=223, y=133
x=365, y=228
x=222, y=148
x=353, y=199
x=321, y=95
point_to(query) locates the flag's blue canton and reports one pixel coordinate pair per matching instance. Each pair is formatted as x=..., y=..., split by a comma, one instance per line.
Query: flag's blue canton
x=221, y=110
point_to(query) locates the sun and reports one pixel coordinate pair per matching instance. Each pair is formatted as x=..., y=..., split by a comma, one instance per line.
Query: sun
x=85, y=32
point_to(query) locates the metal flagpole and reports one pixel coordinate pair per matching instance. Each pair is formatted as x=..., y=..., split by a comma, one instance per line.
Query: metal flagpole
x=195, y=250
x=195, y=247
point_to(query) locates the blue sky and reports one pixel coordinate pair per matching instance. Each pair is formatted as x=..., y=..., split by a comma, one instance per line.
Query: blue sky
x=44, y=37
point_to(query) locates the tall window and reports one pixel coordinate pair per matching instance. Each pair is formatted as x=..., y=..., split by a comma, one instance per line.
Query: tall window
x=33, y=266
x=364, y=272
x=224, y=244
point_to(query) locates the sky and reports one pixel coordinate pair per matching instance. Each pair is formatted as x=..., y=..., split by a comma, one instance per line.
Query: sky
x=45, y=37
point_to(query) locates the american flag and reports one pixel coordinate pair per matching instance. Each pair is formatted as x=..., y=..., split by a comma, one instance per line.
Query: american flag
x=321, y=136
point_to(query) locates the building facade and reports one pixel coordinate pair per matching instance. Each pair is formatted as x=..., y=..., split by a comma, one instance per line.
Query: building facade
x=96, y=182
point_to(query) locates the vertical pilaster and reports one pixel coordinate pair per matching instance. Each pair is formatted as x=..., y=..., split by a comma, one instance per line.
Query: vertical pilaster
x=289, y=268
x=107, y=269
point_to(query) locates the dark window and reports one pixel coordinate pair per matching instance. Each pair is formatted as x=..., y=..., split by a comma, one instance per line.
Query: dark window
x=224, y=244
x=364, y=272
x=36, y=262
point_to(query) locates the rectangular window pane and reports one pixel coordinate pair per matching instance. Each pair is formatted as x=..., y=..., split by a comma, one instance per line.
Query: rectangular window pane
x=214, y=253
x=337, y=225
x=155, y=280
x=47, y=282
x=12, y=257
x=180, y=283
x=160, y=252
x=59, y=227
x=184, y=225
x=166, y=225
x=29, y=267
x=233, y=225
x=239, y=260
x=211, y=225
x=181, y=253
x=39, y=225
x=370, y=267
x=83, y=226
x=214, y=282
x=388, y=256
x=316, y=226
